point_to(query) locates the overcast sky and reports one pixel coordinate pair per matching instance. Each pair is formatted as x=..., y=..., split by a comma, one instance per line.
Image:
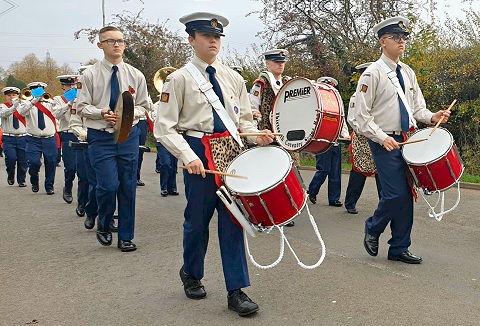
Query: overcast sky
x=41, y=26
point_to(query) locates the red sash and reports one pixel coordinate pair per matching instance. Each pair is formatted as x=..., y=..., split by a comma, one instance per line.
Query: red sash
x=17, y=115
x=49, y=114
x=150, y=123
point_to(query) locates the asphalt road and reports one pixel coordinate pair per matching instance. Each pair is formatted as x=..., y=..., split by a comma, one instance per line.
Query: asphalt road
x=54, y=272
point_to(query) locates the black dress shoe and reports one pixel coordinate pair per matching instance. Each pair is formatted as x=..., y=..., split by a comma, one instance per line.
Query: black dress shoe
x=164, y=193
x=10, y=181
x=312, y=198
x=371, y=244
x=104, y=237
x=352, y=211
x=126, y=245
x=113, y=228
x=140, y=183
x=22, y=184
x=193, y=288
x=35, y=188
x=157, y=171
x=89, y=223
x=173, y=193
x=290, y=224
x=50, y=192
x=240, y=302
x=67, y=196
x=80, y=210
x=406, y=257
x=336, y=203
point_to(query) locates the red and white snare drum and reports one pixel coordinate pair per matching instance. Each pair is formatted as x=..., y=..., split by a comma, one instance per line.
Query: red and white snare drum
x=273, y=193
x=434, y=163
x=309, y=114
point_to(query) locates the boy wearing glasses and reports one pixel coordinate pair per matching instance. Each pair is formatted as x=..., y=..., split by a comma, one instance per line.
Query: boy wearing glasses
x=388, y=104
x=115, y=164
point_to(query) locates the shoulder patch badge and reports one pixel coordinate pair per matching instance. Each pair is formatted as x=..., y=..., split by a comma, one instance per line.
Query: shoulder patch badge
x=255, y=93
x=79, y=85
x=164, y=97
x=364, y=88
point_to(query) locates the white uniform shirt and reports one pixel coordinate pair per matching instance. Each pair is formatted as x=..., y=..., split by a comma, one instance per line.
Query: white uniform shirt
x=78, y=127
x=376, y=104
x=6, y=115
x=62, y=112
x=255, y=95
x=94, y=94
x=183, y=107
x=30, y=112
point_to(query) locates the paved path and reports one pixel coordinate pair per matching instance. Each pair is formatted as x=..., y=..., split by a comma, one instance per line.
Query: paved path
x=54, y=272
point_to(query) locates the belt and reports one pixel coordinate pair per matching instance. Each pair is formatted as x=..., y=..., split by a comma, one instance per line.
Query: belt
x=40, y=136
x=66, y=132
x=14, y=135
x=195, y=133
x=395, y=133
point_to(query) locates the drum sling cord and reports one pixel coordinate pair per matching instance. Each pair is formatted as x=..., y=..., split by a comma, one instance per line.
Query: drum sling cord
x=283, y=239
x=441, y=199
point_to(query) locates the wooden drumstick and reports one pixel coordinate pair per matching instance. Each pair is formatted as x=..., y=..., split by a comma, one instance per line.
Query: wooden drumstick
x=218, y=172
x=246, y=134
x=441, y=119
x=412, y=141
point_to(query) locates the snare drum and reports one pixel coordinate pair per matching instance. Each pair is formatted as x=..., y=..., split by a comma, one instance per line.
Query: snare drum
x=273, y=193
x=309, y=114
x=435, y=164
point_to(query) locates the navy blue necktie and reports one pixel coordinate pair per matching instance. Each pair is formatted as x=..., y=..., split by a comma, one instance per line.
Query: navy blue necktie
x=15, y=122
x=405, y=123
x=218, y=125
x=41, y=119
x=114, y=88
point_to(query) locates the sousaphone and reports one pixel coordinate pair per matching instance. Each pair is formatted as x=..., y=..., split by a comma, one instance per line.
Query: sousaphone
x=124, y=109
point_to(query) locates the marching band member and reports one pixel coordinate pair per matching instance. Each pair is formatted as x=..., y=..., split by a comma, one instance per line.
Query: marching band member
x=184, y=106
x=266, y=87
x=144, y=127
x=166, y=164
x=115, y=164
x=14, y=140
x=63, y=110
x=41, y=137
x=356, y=180
x=329, y=164
x=388, y=102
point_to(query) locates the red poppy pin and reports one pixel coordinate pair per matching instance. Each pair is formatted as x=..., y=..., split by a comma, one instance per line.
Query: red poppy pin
x=131, y=89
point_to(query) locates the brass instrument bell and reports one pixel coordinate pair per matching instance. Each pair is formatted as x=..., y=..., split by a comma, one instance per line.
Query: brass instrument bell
x=160, y=77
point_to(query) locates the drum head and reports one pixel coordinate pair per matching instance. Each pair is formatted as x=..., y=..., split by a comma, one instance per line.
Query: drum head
x=263, y=166
x=295, y=113
x=435, y=147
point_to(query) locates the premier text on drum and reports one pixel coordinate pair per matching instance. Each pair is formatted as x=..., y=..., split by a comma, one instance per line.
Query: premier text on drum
x=302, y=91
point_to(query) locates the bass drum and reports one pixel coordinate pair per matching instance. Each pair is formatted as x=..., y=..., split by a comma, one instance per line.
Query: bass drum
x=309, y=114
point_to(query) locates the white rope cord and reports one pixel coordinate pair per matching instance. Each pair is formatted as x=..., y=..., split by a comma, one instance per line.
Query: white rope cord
x=441, y=199
x=283, y=239
x=322, y=243
x=275, y=263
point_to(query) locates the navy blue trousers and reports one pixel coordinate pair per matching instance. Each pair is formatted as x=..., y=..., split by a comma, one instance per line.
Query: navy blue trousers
x=91, y=206
x=396, y=203
x=36, y=147
x=328, y=164
x=202, y=201
x=356, y=182
x=15, y=157
x=82, y=191
x=69, y=157
x=115, y=166
x=166, y=163
x=143, y=127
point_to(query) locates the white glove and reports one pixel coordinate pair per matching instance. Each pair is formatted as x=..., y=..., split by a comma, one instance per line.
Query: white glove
x=15, y=103
x=35, y=100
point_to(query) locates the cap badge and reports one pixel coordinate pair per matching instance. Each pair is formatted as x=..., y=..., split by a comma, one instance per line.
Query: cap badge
x=214, y=22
